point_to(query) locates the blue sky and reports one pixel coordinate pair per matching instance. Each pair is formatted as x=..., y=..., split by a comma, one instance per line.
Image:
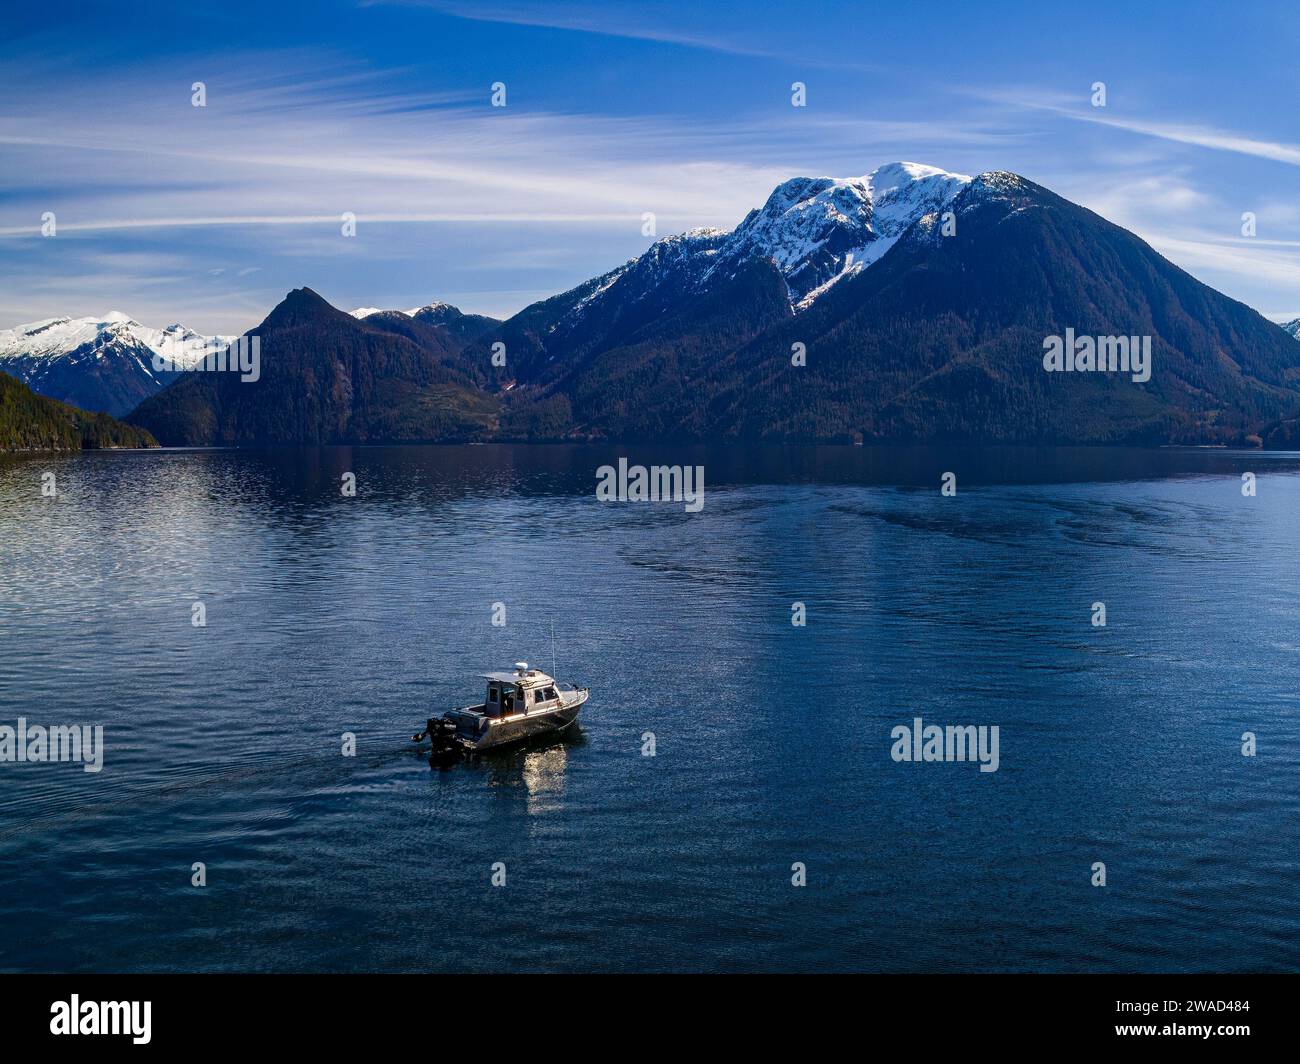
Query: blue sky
x=209, y=215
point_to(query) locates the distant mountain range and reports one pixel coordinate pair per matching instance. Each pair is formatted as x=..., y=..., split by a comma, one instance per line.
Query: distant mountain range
x=328, y=376
x=103, y=364
x=461, y=328
x=918, y=300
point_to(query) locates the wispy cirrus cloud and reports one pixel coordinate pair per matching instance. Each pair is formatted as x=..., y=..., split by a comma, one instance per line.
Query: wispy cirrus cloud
x=295, y=148
x=1201, y=136
x=302, y=155
x=1170, y=212
x=259, y=178
x=644, y=24
x=448, y=191
x=321, y=220
x=1266, y=262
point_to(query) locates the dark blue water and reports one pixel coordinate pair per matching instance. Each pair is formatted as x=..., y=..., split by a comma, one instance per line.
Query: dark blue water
x=328, y=614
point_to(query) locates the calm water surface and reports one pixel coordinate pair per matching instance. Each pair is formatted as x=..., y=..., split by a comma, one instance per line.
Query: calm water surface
x=328, y=615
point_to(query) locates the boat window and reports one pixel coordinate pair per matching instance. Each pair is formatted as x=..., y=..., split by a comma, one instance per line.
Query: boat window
x=549, y=694
x=492, y=694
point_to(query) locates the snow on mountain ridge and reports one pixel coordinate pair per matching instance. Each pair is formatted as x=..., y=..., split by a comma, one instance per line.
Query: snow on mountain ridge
x=801, y=216
x=437, y=310
x=59, y=338
x=815, y=230
x=820, y=230
x=107, y=363
x=681, y=249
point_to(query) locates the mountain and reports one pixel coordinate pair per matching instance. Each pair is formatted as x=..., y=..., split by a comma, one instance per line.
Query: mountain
x=922, y=300
x=1284, y=433
x=437, y=341
x=656, y=384
x=940, y=337
x=465, y=328
x=818, y=231
x=460, y=328
x=98, y=363
x=31, y=422
x=815, y=232
x=327, y=377
x=944, y=338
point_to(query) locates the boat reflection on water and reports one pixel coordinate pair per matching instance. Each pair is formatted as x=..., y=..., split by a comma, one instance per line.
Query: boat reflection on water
x=543, y=774
x=536, y=766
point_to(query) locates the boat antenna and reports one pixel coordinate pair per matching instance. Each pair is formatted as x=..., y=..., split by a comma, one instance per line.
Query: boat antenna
x=552, y=650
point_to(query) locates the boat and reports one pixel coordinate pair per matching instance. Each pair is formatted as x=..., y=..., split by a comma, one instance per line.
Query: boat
x=519, y=705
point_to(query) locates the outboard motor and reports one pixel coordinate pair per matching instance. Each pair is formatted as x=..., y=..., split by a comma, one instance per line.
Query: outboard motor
x=442, y=737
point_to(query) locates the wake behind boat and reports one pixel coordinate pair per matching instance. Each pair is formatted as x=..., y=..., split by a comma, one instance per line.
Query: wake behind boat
x=519, y=705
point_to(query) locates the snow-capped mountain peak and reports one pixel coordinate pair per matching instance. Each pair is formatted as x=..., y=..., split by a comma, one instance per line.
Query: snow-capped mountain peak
x=435, y=310
x=892, y=177
x=1293, y=327
x=818, y=230
x=801, y=215
x=74, y=337
x=100, y=363
x=437, y=307
x=903, y=192
x=815, y=230
x=670, y=253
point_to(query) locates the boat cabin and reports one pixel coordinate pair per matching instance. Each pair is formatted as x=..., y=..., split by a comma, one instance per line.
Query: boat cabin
x=520, y=692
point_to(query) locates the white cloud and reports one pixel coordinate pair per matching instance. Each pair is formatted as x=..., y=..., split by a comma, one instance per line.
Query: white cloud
x=589, y=19
x=311, y=156
x=1135, y=200
x=1238, y=258
x=1202, y=136
x=1176, y=132
x=1174, y=215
